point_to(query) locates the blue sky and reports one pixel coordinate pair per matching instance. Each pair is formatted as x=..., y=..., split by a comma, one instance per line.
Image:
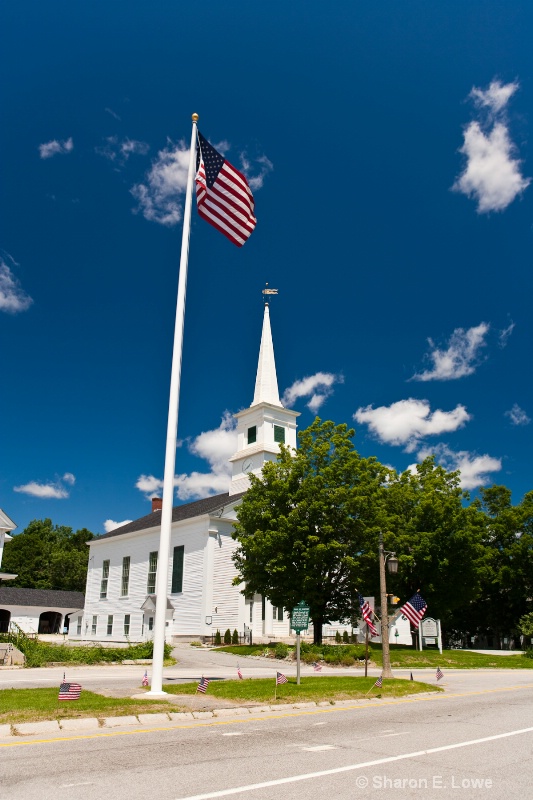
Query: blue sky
x=389, y=149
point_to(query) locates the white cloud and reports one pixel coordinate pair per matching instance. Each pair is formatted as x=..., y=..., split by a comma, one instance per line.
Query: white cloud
x=214, y=446
x=505, y=333
x=149, y=485
x=160, y=197
x=491, y=175
x=460, y=358
x=13, y=298
x=45, y=491
x=517, y=415
x=55, y=147
x=474, y=469
x=495, y=97
x=69, y=478
x=119, y=150
x=111, y=525
x=408, y=421
x=113, y=114
x=318, y=387
x=265, y=167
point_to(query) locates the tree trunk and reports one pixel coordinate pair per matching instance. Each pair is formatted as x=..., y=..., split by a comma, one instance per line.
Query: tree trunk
x=317, y=631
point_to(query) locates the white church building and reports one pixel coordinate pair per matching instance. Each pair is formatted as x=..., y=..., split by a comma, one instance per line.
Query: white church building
x=120, y=592
x=201, y=596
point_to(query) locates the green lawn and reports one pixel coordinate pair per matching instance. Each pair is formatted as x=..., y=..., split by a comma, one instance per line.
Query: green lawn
x=31, y=705
x=409, y=658
x=261, y=690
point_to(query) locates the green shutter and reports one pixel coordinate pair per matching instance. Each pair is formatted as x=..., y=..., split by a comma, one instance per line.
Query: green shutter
x=252, y=435
x=279, y=434
x=177, y=570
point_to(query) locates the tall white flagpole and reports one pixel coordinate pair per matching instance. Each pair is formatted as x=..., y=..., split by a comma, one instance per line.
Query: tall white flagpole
x=172, y=432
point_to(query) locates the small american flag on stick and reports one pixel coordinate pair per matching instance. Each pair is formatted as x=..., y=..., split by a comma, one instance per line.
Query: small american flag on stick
x=69, y=691
x=366, y=613
x=239, y=673
x=145, y=679
x=280, y=678
x=202, y=686
x=317, y=667
x=440, y=674
x=379, y=682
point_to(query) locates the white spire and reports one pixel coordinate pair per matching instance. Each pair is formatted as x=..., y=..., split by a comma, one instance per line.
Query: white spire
x=266, y=382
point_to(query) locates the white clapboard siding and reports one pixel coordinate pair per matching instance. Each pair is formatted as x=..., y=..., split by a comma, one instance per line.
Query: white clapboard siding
x=226, y=596
x=192, y=534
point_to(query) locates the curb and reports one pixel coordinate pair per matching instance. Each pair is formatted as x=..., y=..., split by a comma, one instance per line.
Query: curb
x=158, y=718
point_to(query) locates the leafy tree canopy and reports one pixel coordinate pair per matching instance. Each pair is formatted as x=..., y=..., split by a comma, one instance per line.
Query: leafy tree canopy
x=47, y=556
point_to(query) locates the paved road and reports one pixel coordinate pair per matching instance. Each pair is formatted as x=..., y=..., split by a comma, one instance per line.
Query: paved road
x=471, y=742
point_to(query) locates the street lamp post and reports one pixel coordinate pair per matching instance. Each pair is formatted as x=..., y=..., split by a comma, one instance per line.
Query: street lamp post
x=392, y=566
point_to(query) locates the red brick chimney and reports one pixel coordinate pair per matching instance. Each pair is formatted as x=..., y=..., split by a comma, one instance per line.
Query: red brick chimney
x=157, y=504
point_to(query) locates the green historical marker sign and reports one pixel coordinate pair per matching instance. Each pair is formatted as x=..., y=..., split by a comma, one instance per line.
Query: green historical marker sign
x=300, y=617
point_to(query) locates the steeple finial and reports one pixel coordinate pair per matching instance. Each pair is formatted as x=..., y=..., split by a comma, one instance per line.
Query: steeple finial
x=266, y=382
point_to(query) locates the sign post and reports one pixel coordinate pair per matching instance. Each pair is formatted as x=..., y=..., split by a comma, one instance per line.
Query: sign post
x=299, y=623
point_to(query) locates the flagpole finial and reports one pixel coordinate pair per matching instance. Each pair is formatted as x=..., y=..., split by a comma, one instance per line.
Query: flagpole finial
x=195, y=117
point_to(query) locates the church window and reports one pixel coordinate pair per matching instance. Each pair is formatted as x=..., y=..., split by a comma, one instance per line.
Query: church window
x=125, y=576
x=78, y=627
x=110, y=624
x=263, y=608
x=126, y=624
x=177, y=570
x=150, y=623
x=105, y=578
x=93, y=626
x=252, y=435
x=251, y=610
x=279, y=434
x=152, y=572
x=278, y=613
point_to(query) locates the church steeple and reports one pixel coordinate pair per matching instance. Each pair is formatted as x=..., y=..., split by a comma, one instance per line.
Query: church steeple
x=266, y=423
x=266, y=382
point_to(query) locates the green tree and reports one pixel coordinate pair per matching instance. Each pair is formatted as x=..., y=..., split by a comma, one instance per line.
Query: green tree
x=507, y=569
x=47, y=556
x=438, y=539
x=305, y=526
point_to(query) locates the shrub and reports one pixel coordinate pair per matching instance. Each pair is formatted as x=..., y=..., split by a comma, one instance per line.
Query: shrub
x=529, y=652
x=281, y=650
x=345, y=638
x=347, y=661
x=196, y=644
x=235, y=637
x=338, y=637
x=227, y=637
x=218, y=637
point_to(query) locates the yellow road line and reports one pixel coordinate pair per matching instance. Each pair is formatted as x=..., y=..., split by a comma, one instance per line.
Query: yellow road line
x=269, y=716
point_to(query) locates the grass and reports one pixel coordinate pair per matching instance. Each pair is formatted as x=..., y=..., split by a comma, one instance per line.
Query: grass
x=39, y=654
x=317, y=689
x=409, y=658
x=32, y=705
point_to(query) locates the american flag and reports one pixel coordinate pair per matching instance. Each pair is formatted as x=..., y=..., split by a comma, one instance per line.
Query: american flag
x=239, y=673
x=145, y=679
x=317, y=667
x=202, y=686
x=366, y=613
x=280, y=678
x=414, y=609
x=440, y=673
x=223, y=196
x=69, y=691
x=379, y=682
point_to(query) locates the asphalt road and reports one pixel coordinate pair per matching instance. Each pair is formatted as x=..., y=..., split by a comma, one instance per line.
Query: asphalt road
x=473, y=741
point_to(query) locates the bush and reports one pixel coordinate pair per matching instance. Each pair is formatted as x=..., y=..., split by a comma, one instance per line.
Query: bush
x=338, y=638
x=218, y=637
x=347, y=661
x=529, y=652
x=281, y=650
x=38, y=654
x=235, y=637
x=345, y=638
x=227, y=637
